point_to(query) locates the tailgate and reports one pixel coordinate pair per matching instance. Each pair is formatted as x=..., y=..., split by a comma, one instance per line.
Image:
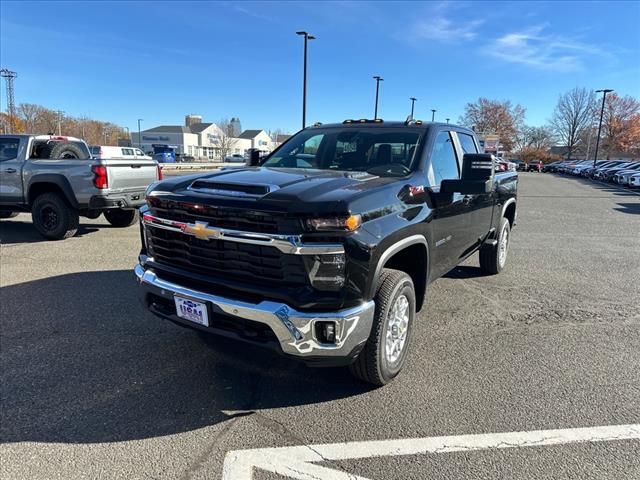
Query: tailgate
x=130, y=174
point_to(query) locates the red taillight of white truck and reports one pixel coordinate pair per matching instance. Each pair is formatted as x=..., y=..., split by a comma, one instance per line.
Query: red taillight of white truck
x=100, y=179
x=159, y=172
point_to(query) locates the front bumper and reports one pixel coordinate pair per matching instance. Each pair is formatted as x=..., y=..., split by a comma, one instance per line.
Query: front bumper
x=294, y=331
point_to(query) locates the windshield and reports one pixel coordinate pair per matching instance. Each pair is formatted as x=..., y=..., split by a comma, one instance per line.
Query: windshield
x=379, y=151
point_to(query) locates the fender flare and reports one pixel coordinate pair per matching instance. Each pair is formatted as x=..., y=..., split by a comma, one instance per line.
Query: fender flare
x=506, y=205
x=59, y=181
x=400, y=245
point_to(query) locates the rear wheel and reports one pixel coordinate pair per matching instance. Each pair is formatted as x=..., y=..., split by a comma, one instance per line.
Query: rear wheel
x=121, y=218
x=53, y=218
x=493, y=258
x=386, y=349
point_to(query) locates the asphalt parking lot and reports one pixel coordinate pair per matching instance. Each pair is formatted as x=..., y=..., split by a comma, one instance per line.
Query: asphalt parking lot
x=92, y=388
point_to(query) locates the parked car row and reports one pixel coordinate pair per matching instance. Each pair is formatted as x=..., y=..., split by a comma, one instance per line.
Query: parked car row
x=622, y=172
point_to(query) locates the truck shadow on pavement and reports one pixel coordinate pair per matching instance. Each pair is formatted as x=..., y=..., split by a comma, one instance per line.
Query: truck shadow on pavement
x=14, y=232
x=632, y=208
x=82, y=363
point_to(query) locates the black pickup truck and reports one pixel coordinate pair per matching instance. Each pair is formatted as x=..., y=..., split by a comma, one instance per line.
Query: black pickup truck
x=325, y=250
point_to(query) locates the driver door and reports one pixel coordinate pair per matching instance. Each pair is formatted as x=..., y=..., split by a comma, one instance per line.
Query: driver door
x=451, y=219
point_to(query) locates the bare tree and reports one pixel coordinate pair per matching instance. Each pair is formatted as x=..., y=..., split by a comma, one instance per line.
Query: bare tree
x=30, y=113
x=574, y=113
x=495, y=117
x=226, y=140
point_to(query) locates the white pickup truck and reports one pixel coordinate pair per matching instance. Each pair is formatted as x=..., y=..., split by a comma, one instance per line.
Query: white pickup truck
x=57, y=180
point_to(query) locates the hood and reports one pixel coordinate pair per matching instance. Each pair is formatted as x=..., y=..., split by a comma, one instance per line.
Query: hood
x=276, y=189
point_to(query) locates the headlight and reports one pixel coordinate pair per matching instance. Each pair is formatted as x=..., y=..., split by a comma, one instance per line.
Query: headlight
x=350, y=223
x=326, y=272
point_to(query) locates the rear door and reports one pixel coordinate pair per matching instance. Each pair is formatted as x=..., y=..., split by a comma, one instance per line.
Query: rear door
x=479, y=206
x=450, y=220
x=11, y=170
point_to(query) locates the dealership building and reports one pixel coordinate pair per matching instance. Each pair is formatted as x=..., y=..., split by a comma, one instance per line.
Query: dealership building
x=201, y=140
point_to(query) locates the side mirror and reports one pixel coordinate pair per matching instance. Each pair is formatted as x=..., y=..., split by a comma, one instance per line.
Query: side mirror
x=254, y=158
x=476, y=178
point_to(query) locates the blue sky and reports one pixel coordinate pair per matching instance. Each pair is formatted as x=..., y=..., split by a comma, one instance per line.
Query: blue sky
x=118, y=61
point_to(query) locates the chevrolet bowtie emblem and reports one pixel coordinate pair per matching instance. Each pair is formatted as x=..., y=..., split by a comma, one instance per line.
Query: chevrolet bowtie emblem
x=201, y=230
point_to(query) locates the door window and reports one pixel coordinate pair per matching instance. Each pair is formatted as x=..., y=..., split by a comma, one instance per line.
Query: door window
x=139, y=152
x=444, y=161
x=127, y=151
x=467, y=143
x=9, y=149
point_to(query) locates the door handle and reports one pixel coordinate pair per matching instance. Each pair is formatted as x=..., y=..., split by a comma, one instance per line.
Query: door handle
x=10, y=170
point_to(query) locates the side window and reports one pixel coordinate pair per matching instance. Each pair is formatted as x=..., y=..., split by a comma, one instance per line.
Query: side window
x=467, y=143
x=139, y=152
x=9, y=148
x=443, y=159
x=127, y=151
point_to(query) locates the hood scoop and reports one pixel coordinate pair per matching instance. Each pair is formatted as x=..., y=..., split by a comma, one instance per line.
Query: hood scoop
x=231, y=189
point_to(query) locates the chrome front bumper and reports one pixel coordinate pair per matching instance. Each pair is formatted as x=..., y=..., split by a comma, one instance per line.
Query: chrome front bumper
x=293, y=329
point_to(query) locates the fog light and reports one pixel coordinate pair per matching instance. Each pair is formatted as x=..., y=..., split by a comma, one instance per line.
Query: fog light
x=326, y=332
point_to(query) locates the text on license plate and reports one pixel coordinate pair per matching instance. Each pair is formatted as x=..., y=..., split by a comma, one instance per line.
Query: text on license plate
x=192, y=311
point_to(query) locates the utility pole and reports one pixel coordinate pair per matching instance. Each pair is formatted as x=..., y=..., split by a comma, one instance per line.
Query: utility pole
x=378, y=79
x=604, y=97
x=9, y=77
x=59, y=113
x=307, y=37
x=413, y=101
x=433, y=114
x=139, y=136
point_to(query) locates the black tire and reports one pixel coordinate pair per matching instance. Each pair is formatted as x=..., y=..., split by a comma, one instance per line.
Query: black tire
x=53, y=217
x=5, y=214
x=491, y=261
x=61, y=150
x=121, y=217
x=373, y=365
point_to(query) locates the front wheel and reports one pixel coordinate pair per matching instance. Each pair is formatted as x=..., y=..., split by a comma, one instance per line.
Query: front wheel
x=493, y=258
x=385, y=352
x=121, y=218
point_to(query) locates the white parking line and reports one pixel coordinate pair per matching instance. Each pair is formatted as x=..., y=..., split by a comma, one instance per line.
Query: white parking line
x=297, y=462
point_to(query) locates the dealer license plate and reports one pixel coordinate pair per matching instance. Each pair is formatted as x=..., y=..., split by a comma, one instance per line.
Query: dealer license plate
x=193, y=311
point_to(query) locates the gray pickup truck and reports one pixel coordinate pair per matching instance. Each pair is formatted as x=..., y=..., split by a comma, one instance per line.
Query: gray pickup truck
x=57, y=180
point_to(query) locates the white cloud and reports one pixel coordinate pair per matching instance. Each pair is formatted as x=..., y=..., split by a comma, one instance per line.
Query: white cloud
x=442, y=29
x=536, y=48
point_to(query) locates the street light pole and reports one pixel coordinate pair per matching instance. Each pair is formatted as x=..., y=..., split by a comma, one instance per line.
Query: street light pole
x=139, y=136
x=60, y=113
x=433, y=114
x=447, y=119
x=604, y=96
x=307, y=37
x=413, y=101
x=378, y=79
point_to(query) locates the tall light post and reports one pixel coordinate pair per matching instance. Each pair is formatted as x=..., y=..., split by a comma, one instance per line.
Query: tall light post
x=433, y=114
x=413, y=101
x=139, y=136
x=307, y=37
x=447, y=119
x=604, y=96
x=59, y=113
x=378, y=79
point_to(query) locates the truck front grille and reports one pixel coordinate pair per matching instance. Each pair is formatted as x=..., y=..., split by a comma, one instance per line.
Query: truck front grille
x=225, y=259
x=243, y=220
